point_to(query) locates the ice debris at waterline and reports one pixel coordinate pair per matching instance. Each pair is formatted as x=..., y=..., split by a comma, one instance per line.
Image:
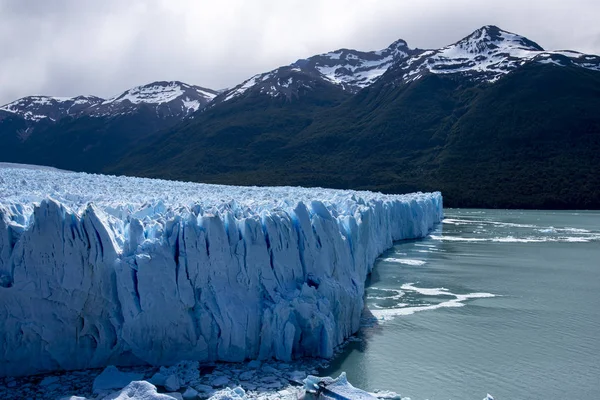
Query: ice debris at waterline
x=98, y=270
x=339, y=388
x=187, y=380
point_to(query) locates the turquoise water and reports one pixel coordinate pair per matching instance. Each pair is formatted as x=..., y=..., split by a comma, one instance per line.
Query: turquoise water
x=495, y=301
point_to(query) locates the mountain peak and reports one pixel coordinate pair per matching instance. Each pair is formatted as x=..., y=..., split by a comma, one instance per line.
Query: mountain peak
x=36, y=108
x=170, y=98
x=491, y=37
x=348, y=69
x=162, y=92
x=486, y=55
x=398, y=44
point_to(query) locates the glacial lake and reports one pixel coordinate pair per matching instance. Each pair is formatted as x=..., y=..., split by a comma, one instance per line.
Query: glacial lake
x=494, y=301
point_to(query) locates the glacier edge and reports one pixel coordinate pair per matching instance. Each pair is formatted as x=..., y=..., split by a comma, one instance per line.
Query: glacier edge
x=87, y=284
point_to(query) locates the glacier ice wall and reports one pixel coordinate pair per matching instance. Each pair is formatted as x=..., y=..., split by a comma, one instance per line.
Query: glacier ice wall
x=98, y=270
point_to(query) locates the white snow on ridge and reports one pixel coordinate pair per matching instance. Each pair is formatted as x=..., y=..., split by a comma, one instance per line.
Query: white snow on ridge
x=37, y=108
x=98, y=270
x=488, y=54
x=360, y=73
x=349, y=69
x=169, y=98
x=155, y=94
x=242, y=88
x=158, y=93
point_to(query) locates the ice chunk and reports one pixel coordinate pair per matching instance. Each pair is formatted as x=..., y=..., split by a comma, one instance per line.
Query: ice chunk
x=386, y=394
x=158, y=379
x=139, y=390
x=219, y=381
x=190, y=394
x=49, y=380
x=112, y=378
x=172, y=383
x=246, y=375
x=229, y=394
x=335, y=388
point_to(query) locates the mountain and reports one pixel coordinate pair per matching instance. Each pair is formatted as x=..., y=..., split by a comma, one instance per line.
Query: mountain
x=348, y=70
x=86, y=133
x=493, y=120
x=36, y=108
x=261, y=114
x=486, y=55
x=168, y=99
x=20, y=118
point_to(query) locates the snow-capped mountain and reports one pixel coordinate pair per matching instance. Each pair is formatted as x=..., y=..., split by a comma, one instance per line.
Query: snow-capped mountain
x=350, y=70
x=285, y=81
x=304, y=123
x=353, y=70
x=79, y=133
x=170, y=99
x=36, y=108
x=486, y=55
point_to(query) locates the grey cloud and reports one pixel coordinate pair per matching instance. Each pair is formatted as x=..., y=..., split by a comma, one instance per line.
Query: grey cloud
x=70, y=47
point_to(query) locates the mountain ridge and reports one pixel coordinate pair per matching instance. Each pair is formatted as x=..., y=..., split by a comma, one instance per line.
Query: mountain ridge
x=190, y=98
x=352, y=70
x=312, y=123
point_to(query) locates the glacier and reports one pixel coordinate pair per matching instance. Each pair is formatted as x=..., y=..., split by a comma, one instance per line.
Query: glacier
x=100, y=270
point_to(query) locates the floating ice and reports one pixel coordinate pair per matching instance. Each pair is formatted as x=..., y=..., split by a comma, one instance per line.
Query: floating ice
x=519, y=233
x=406, y=261
x=334, y=388
x=457, y=300
x=98, y=270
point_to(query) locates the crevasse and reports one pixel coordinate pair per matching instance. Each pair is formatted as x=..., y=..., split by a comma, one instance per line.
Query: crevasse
x=128, y=271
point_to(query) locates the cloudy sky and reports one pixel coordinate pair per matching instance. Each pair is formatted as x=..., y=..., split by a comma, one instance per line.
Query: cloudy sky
x=71, y=47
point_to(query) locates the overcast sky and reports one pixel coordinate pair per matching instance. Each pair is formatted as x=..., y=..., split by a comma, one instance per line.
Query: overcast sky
x=71, y=47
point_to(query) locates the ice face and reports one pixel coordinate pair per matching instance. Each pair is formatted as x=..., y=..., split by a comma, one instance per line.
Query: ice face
x=98, y=270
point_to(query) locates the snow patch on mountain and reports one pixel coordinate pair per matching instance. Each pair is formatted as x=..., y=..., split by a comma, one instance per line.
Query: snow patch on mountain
x=37, y=108
x=167, y=98
x=288, y=82
x=354, y=70
x=486, y=55
x=98, y=270
x=159, y=93
x=350, y=70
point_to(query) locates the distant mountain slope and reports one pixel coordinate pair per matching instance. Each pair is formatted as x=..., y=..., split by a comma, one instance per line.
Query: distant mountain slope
x=486, y=55
x=170, y=99
x=36, y=108
x=505, y=128
x=493, y=120
x=238, y=134
x=530, y=140
x=86, y=133
x=350, y=70
x=73, y=134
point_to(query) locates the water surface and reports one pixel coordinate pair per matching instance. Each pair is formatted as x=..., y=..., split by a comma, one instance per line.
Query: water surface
x=494, y=301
